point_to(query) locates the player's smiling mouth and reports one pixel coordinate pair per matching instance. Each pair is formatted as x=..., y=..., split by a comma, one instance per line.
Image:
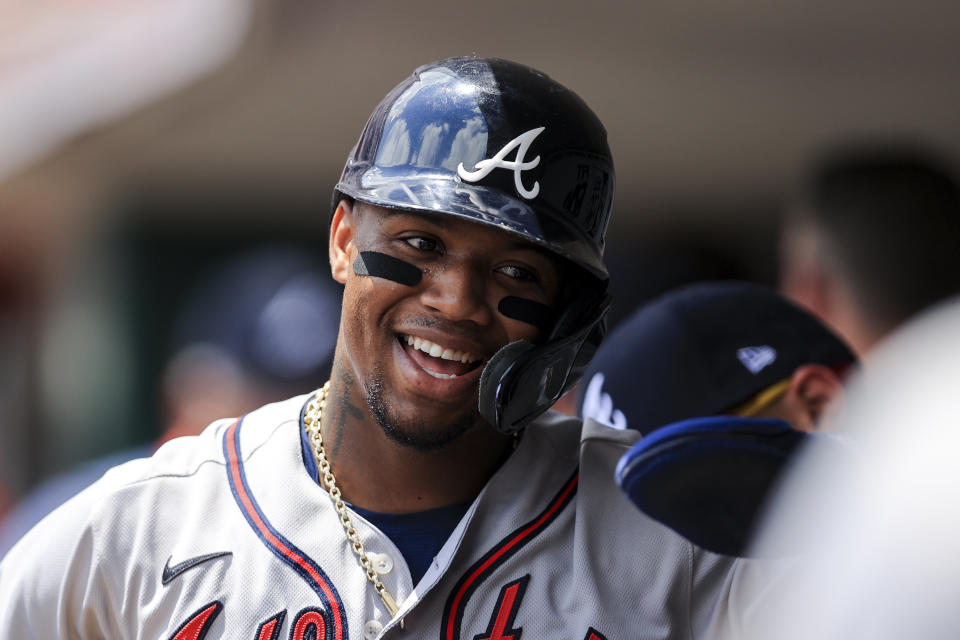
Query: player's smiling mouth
x=436, y=359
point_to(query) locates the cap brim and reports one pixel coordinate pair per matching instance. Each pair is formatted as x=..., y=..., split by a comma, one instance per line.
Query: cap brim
x=708, y=479
x=440, y=194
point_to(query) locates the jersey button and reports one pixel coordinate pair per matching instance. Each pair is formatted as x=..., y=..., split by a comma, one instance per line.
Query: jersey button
x=382, y=563
x=372, y=629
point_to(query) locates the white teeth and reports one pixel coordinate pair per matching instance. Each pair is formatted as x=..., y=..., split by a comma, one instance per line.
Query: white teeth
x=438, y=351
x=444, y=376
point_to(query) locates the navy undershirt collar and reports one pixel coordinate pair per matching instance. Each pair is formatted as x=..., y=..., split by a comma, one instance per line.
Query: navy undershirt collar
x=418, y=536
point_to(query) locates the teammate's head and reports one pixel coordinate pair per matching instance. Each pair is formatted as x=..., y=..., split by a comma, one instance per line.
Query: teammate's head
x=715, y=348
x=475, y=183
x=246, y=334
x=871, y=238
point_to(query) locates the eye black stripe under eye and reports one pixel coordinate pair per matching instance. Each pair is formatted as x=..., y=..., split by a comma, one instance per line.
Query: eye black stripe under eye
x=529, y=311
x=381, y=265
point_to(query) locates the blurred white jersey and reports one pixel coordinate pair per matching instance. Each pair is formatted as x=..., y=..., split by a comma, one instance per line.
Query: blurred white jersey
x=879, y=528
x=226, y=535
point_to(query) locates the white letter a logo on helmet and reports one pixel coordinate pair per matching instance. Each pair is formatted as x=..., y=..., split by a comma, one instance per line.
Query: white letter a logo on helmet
x=522, y=144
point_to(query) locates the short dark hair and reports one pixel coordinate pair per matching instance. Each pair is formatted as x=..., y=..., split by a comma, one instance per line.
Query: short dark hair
x=890, y=217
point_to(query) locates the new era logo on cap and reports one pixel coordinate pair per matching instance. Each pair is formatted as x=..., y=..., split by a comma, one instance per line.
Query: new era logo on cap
x=756, y=358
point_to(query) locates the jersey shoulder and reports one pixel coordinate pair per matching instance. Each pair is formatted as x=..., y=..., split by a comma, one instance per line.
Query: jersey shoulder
x=125, y=524
x=572, y=438
x=184, y=456
x=143, y=490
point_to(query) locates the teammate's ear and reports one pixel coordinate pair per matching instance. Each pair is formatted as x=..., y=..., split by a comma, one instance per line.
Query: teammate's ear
x=813, y=387
x=342, y=231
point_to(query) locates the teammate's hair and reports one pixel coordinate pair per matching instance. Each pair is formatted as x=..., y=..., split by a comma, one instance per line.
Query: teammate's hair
x=889, y=216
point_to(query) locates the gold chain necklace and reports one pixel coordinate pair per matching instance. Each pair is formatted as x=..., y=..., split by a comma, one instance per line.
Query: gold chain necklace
x=311, y=421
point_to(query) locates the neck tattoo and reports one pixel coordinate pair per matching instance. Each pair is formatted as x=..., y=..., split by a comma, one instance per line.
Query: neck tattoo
x=311, y=422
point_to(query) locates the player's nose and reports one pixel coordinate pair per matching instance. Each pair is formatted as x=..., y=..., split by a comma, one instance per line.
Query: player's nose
x=459, y=293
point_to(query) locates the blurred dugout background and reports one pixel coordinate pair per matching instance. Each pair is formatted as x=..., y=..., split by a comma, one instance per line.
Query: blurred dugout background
x=142, y=143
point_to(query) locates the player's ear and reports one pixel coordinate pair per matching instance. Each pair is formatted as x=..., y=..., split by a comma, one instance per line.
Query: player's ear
x=342, y=232
x=813, y=387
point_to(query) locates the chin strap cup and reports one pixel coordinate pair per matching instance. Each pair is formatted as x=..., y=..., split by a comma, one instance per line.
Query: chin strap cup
x=494, y=383
x=523, y=380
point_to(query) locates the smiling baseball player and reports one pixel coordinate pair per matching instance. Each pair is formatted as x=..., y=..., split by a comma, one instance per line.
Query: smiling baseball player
x=423, y=492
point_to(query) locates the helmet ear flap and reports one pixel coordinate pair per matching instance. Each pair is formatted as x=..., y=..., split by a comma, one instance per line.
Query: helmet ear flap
x=496, y=383
x=589, y=348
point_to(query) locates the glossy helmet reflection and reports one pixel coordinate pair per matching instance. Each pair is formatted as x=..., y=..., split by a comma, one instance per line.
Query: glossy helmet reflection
x=504, y=145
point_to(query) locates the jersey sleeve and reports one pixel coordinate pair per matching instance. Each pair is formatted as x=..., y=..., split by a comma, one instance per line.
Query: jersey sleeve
x=71, y=575
x=48, y=581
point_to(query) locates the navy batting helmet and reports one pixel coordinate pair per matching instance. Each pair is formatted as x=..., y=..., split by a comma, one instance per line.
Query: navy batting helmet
x=503, y=145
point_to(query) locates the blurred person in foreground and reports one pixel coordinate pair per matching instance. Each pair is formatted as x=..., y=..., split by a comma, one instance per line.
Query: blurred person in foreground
x=882, y=560
x=425, y=490
x=872, y=237
x=871, y=245
x=243, y=337
x=721, y=378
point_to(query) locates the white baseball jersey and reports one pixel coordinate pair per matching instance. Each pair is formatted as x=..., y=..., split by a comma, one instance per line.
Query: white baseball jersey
x=226, y=535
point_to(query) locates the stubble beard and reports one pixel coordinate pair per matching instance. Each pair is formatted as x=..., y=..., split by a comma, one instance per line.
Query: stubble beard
x=411, y=431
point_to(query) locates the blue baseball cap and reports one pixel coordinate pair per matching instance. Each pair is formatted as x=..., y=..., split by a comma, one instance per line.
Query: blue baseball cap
x=274, y=311
x=702, y=350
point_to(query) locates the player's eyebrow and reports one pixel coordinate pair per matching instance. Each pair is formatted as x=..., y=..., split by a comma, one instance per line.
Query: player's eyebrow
x=520, y=245
x=435, y=220
x=540, y=252
x=445, y=223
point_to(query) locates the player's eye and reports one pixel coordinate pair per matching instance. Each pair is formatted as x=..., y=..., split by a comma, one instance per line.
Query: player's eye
x=421, y=243
x=518, y=273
